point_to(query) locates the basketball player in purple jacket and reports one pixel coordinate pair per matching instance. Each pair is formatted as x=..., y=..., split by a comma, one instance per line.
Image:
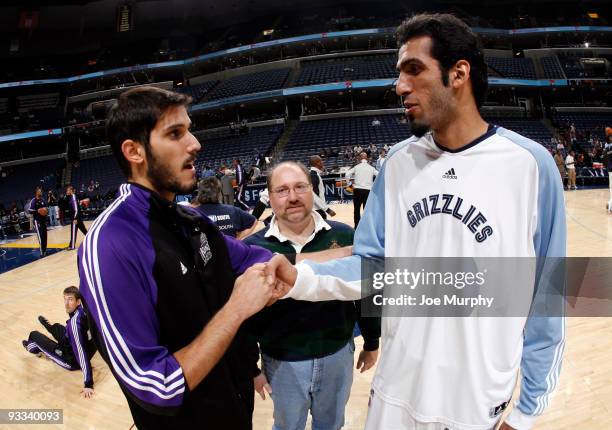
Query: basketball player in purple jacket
x=76, y=220
x=40, y=219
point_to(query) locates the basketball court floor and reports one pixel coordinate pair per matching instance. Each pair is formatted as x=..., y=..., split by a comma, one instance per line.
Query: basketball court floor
x=582, y=400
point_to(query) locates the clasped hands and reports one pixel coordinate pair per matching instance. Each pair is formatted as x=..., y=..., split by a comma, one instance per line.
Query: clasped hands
x=263, y=284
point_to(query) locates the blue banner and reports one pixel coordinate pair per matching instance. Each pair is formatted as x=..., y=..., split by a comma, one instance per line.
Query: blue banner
x=289, y=40
x=30, y=134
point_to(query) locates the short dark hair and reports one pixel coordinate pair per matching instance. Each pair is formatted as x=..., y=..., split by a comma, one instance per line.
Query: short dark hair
x=135, y=114
x=315, y=159
x=209, y=190
x=452, y=40
x=72, y=290
x=298, y=164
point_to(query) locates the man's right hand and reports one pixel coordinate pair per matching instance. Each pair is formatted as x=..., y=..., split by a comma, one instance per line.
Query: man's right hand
x=252, y=291
x=280, y=269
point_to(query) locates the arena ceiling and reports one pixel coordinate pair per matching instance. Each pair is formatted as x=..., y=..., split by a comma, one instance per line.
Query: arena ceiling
x=66, y=13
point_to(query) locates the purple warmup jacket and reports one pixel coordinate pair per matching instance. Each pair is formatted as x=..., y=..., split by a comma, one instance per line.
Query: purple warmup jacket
x=153, y=274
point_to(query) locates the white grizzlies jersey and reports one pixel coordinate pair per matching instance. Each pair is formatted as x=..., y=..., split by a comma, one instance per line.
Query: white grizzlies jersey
x=499, y=196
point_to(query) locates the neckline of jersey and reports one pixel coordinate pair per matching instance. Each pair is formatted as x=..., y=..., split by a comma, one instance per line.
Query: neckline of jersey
x=491, y=130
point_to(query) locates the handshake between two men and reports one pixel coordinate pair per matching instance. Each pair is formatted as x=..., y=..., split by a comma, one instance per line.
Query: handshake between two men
x=273, y=280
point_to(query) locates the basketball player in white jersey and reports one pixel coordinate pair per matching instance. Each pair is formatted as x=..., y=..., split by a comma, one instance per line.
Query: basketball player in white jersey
x=452, y=190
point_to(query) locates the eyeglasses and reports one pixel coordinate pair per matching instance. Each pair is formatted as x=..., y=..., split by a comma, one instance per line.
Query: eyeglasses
x=284, y=191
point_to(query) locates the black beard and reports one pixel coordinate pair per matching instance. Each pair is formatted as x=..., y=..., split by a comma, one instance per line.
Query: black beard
x=419, y=130
x=161, y=178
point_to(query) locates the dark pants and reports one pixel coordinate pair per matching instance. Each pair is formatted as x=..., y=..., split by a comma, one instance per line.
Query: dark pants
x=360, y=196
x=41, y=233
x=322, y=213
x=60, y=354
x=258, y=210
x=240, y=197
x=76, y=223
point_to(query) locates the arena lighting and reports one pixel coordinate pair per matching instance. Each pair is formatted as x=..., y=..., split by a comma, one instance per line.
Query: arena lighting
x=586, y=44
x=593, y=15
x=268, y=32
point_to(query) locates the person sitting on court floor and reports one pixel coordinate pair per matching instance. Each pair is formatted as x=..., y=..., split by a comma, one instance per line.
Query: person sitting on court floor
x=231, y=220
x=307, y=348
x=73, y=347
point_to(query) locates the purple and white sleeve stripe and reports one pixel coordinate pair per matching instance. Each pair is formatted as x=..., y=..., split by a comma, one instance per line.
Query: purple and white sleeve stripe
x=75, y=206
x=77, y=341
x=119, y=290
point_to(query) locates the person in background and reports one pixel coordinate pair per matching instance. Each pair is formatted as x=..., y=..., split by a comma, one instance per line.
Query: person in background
x=207, y=172
x=53, y=208
x=75, y=217
x=241, y=182
x=363, y=174
x=254, y=173
x=608, y=165
x=230, y=220
x=227, y=189
x=570, y=165
x=381, y=159
x=71, y=347
x=38, y=210
x=307, y=348
x=317, y=168
x=560, y=162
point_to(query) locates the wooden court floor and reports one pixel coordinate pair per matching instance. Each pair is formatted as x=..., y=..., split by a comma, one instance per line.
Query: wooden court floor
x=582, y=400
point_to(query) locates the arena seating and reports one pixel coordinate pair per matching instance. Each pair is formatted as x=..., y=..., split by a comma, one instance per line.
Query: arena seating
x=532, y=128
x=574, y=69
x=38, y=101
x=23, y=179
x=310, y=137
x=102, y=169
x=198, y=91
x=585, y=122
x=552, y=67
x=251, y=83
x=519, y=68
x=222, y=147
x=347, y=69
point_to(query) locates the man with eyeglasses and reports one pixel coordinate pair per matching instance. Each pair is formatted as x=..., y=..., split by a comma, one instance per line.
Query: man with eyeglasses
x=307, y=348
